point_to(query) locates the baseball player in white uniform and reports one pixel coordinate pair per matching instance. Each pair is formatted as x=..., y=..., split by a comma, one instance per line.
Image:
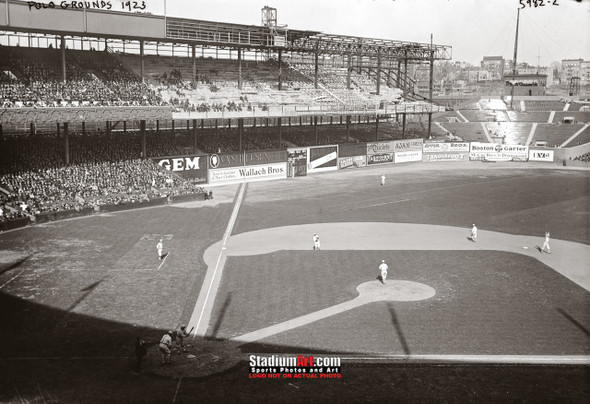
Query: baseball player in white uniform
x=164, y=347
x=546, y=243
x=383, y=268
x=160, y=248
x=474, y=233
x=383, y=180
x=316, y=241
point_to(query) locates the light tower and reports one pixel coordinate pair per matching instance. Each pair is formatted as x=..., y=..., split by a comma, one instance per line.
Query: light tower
x=269, y=17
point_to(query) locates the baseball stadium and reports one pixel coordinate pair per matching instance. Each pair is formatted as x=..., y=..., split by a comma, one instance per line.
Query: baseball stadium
x=197, y=211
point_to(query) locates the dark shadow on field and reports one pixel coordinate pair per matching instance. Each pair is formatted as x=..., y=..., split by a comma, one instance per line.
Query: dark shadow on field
x=217, y=325
x=398, y=329
x=14, y=265
x=88, y=290
x=574, y=322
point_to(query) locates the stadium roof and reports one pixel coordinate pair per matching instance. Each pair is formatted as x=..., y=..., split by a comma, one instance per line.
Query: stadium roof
x=19, y=16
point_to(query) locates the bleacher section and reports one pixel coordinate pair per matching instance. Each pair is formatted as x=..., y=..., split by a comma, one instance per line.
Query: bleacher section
x=537, y=105
x=539, y=117
x=511, y=132
x=468, y=131
x=576, y=106
x=579, y=117
x=582, y=138
x=484, y=116
x=493, y=104
x=218, y=82
x=448, y=116
x=554, y=134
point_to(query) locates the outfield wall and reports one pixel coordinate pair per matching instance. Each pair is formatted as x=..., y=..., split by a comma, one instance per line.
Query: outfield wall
x=236, y=167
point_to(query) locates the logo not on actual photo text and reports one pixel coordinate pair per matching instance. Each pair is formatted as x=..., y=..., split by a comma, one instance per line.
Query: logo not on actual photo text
x=294, y=367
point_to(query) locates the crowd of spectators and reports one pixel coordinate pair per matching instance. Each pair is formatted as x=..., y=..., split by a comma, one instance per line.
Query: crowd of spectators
x=93, y=79
x=103, y=170
x=79, y=93
x=584, y=158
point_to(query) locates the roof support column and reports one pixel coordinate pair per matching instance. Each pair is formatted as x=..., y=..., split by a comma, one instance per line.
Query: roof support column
x=280, y=70
x=406, y=74
x=194, y=134
x=349, y=71
x=377, y=127
x=239, y=68
x=141, y=64
x=240, y=132
x=143, y=139
x=63, y=58
x=431, y=78
x=194, y=59
x=316, y=67
x=378, y=90
x=67, y=143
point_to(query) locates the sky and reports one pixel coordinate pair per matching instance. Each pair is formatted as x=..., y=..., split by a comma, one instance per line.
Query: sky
x=473, y=28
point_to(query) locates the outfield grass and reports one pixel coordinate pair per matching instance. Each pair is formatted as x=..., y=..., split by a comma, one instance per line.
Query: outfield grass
x=74, y=294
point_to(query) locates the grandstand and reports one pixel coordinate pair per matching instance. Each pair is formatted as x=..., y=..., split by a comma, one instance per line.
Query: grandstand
x=156, y=110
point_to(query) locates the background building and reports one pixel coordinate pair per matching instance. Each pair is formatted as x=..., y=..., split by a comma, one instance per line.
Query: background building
x=495, y=66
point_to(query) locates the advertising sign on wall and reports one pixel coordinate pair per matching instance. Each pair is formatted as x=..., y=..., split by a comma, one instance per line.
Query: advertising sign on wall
x=407, y=150
x=323, y=158
x=438, y=147
x=222, y=160
x=352, y=162
x=380, y=153
x=188, y=167
x=445, y=151
x=265, y=157
x=297, y=162
x=541, y=155
x=408, y=156
x=498, y=152
x=248, y=173
x=450, y=156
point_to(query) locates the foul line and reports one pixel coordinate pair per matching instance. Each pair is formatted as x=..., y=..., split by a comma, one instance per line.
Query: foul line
x=164, y=260
x=11, y=279
x=176, y=392
x=203, y=300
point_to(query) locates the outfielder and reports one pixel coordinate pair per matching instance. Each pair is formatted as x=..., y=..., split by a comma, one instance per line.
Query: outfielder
x=383, y=268
x=546, y=243
x=316, y=241
x=474, y=233
x=383, y=180
x=160, y=248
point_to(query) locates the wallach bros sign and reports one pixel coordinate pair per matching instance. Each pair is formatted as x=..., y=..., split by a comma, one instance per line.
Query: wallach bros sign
x=248, y=173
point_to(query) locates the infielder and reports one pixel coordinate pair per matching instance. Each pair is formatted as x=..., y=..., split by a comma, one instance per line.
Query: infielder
x=383, y=180
x=165, y=344
x=160, y=248
x=474, y=233
x=546, y=243
x=383, y=268
x=316, y=241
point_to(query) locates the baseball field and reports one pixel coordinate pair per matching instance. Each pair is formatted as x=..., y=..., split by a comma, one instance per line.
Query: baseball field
x=456, y=321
